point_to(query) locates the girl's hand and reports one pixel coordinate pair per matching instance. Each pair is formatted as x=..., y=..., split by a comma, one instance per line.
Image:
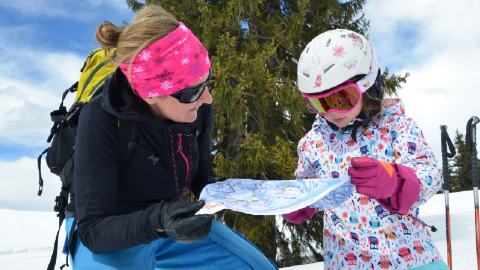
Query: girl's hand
x=374, y=178
x=300, y=216
x=394, y=186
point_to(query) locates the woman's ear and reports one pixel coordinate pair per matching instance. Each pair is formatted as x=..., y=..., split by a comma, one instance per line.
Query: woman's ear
x=149, y=100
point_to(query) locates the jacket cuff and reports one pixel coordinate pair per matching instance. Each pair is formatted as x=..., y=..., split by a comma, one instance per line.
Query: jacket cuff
x=155, y=221
x=408, y=192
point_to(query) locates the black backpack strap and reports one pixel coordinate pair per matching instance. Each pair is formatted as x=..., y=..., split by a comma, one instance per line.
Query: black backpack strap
x=134, y=146
x=40, y=180
x=72, y=242
x=72, y=89
x=61, y=203
x=129, y=144
x=61, y=114
x=128, y=132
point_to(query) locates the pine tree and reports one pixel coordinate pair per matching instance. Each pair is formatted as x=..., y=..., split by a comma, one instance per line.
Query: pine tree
x=461, y=176
x=393, y=83
x=260, y=115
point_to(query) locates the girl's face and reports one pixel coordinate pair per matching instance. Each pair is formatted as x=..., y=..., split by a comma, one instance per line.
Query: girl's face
x=170, y=108
x=342, y=120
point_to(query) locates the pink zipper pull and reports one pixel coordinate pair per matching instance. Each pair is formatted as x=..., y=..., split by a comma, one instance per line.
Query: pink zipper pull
x=183, y=155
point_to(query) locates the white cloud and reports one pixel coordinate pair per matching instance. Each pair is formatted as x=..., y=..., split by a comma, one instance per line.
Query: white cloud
x=23, y=122
x=31, y=85
x=80, y=10
x=19, y=182
x=21, y=60
x=442, y=59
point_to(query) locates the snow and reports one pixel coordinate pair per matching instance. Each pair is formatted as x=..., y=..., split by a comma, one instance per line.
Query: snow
x=26, y=238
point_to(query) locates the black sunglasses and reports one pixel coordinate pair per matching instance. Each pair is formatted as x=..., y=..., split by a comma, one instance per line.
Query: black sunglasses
x=190, y=95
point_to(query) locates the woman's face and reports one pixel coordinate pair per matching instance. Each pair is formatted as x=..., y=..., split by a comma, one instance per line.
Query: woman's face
x=342, y=120
x=169, y=108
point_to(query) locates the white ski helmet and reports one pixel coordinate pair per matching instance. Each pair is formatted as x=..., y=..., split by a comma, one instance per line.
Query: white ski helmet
x=334, y=57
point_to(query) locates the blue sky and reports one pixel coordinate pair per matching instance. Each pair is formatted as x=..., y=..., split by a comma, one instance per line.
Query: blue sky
x=43, y=44
x=60, y=27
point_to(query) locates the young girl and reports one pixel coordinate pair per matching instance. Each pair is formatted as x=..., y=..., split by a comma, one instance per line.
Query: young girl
x=373, y=222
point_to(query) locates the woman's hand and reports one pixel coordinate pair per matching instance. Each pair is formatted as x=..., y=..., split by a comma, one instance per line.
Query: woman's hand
x=179, y=221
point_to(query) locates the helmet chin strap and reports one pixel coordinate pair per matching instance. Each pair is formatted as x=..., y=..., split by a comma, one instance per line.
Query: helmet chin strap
x=362, y=123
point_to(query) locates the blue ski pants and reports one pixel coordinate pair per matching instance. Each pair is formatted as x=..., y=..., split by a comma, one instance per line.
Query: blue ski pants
x=439, y=265
x=223, y=248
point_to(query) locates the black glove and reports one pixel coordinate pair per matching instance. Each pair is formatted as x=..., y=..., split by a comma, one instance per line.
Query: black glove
x=179, y=221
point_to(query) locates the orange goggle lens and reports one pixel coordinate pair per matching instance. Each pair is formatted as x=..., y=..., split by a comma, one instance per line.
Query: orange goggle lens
x=343, y=100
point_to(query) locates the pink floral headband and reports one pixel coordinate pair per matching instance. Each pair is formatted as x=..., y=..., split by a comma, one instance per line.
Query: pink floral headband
x=169, y=65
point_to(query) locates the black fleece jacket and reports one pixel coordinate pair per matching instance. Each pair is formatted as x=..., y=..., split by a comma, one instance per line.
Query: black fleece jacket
x=114, y=210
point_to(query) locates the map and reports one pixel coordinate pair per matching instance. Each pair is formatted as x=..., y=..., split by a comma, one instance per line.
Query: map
x=266, y=197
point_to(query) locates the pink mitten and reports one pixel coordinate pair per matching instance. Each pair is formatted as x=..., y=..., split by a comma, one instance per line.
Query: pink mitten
x=300, y=216
x=374, y=178
x=406, y=192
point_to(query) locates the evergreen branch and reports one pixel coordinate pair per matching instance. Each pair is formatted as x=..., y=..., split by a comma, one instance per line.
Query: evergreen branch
x=135, y=5
x=393, y=83
x=248, y=94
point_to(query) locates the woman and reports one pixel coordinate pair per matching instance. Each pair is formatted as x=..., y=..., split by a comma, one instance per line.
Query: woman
x=374, y=223
x=133, y=217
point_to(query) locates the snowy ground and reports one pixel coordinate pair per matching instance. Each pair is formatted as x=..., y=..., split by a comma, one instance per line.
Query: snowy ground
x=26, y=238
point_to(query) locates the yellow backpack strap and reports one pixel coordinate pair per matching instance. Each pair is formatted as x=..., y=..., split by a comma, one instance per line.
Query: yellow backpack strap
x=96, y=69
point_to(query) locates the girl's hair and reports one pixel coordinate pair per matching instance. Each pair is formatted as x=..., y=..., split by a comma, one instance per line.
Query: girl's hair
x=373, y=97
x=149, y=25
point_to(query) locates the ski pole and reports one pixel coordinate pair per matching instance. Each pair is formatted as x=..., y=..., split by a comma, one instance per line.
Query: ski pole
x=446, y=185
x=471, y=141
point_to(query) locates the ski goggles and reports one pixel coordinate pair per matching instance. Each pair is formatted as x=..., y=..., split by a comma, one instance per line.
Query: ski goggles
x=342, y=99
x=190, y=95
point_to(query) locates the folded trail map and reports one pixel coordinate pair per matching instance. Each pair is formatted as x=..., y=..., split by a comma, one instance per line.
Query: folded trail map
x=266, y=197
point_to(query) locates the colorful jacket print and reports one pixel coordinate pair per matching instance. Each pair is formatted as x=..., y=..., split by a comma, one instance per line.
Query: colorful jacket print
x=358, y=232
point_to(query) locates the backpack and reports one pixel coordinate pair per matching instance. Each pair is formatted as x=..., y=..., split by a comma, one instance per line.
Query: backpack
x=60, y=155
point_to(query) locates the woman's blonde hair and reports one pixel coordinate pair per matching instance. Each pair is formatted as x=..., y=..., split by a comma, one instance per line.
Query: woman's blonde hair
x=149, y=25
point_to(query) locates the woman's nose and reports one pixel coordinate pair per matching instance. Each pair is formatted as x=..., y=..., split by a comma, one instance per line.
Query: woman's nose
x=206, y=97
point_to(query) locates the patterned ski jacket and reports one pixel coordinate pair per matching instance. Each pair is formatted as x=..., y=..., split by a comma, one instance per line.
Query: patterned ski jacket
x=358, y=232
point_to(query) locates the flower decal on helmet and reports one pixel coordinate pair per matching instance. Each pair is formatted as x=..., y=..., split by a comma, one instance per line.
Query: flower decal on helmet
x=339, y=51
x=318, y=82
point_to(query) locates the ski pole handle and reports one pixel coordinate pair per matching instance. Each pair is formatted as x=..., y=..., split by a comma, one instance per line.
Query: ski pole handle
x=445, y=155
x=471, y=141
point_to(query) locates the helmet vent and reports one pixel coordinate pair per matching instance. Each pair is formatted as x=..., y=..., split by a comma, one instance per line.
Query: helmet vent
x=308, y=48
x=328, y=43
x=306, y=75
x=327, y=69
